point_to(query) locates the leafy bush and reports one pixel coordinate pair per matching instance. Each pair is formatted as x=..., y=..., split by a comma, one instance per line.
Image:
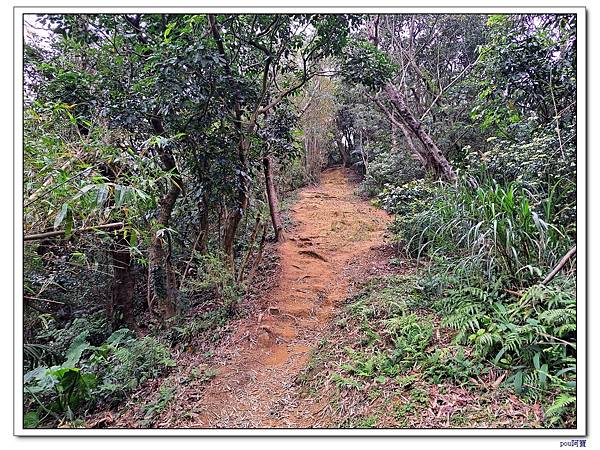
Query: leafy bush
x=539, y=163
x=91, y=374
x=488, y=248
x=93, y=328
x=408, y=198
x=129, y=364
x=215, y=278
x=451, y=364
x=388, y=169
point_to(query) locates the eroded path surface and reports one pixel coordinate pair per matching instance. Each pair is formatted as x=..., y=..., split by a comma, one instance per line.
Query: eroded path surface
x=257, y=364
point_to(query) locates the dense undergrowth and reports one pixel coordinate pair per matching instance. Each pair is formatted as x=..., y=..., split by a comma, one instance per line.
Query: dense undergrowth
x=397, y=367
x=485, y=252
x=401, y=361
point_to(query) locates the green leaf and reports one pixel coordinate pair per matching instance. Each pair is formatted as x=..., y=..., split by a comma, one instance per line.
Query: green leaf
x=518, y=382
x=119, y=336
x=76, y=349
x=120, y=193
x=61, y=215
x=543, y=373
x=536, y=360
x=35, y=374
x=101, y=195
x=31, y=420
x=132, y=238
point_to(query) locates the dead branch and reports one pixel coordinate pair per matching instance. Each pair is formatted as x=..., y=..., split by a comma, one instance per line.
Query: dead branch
x=560, y=265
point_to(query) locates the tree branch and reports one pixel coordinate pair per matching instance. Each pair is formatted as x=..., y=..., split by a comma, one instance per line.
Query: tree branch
x=51, y=234
x=560, y=265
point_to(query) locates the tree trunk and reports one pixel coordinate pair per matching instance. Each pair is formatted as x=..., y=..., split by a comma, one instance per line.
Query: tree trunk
x=162, y=286
x=272, y=199
x=433, y=155
x=204, y=225
x=120, y=309
x=235, y=218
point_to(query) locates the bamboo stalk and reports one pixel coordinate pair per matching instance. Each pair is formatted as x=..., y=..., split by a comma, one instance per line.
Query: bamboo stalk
x=51, y=234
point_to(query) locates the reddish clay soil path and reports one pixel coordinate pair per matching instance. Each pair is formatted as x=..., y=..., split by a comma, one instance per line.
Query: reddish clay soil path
x=257, y=364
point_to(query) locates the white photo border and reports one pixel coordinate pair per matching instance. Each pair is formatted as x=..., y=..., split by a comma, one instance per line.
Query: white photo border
x=310, y=6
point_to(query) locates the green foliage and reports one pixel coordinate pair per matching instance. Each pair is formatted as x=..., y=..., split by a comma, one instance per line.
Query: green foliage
x=408, y=198
x=494, y=230
x=216, y=278
x=184, y=330
x=385, y=297
x=92, y=374
x=127, y=366
x=388, y=169
x=487, y=249
x=165, y=395
x=365, y=64
x=394, y=339
x=61, y=340
x=451, y=364
x=542, y=163
x=520, y=76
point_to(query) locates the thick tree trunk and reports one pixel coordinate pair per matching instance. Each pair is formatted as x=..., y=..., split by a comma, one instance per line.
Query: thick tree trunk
x=433, y=155
x=272, y=200
x=120, y=309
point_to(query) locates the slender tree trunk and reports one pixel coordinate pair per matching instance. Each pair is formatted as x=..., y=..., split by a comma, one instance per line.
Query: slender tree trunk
x=434, y=156
x=235, y=218
x=120, y=309
x=162, y=286
x=204, y=225
x=272, y=200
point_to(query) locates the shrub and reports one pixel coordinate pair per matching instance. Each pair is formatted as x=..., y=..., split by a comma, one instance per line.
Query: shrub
x=91, y=374
x=538, y=163
x=408, y=198
x=216, y=279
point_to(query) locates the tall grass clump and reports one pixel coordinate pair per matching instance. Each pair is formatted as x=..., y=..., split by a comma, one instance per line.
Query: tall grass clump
x=504, y=230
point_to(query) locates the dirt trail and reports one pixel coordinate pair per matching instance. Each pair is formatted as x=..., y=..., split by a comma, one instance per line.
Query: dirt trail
x=260, y=360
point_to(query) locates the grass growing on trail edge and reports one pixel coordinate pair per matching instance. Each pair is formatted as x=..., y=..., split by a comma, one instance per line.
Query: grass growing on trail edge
x=395, y=366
